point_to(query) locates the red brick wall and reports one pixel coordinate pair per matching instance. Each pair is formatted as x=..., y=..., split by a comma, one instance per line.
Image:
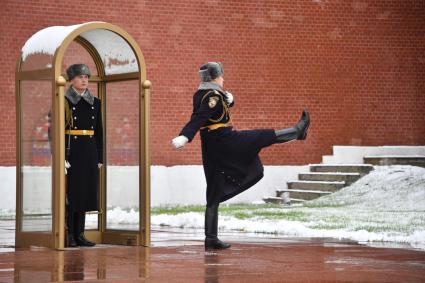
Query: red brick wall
x=358, y=66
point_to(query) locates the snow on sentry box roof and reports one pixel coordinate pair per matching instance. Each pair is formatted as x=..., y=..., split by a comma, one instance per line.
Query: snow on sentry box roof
x=47, y=40
x=117, y=56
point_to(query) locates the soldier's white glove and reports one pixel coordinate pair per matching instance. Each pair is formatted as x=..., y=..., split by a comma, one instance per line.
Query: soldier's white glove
x=99, y=165
x=67, y=166
x=179, y=141
x=229, y=98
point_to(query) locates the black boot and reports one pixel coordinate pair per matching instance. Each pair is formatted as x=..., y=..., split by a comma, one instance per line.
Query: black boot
x=211, y=227
x=79, y=231
x=70, y=219
x=302, y=125
x=70, y=241
x=286, y=135
x=298, y=132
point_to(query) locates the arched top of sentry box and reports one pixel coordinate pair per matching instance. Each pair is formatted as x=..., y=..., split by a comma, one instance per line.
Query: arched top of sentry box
x=112, y=48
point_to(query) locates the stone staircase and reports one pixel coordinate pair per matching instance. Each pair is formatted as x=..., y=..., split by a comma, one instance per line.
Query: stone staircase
x=324, y=179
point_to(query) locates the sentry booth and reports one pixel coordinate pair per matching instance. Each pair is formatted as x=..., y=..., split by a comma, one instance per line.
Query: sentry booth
x=119, y=80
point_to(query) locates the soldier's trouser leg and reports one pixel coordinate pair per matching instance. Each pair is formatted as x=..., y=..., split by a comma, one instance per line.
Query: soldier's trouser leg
x=79, y=230
x=298, y=132
x=211, y=229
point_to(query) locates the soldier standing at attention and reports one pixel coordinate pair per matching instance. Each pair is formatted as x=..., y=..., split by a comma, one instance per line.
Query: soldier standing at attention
x=230, y=158
x=84, y=153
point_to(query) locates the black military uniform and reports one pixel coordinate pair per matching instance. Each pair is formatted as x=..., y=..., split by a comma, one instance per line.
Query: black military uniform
x=84, y=152
x=230, y=158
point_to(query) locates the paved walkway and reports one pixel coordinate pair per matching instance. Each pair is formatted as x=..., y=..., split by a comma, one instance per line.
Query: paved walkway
x=178, y=256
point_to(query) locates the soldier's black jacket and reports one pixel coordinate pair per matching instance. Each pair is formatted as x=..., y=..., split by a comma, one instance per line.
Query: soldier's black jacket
x=209, y=107
x=230, y=158
x=86, y=151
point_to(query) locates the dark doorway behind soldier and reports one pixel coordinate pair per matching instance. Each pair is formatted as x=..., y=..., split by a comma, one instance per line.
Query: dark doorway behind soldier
x=230, y=158
x=84, y=153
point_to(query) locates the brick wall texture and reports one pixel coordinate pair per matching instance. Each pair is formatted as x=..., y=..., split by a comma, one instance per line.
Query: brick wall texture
x=358, y=66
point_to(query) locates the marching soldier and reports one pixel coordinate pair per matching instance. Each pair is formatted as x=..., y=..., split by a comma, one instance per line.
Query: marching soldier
x=84, y=152
x=230, y=158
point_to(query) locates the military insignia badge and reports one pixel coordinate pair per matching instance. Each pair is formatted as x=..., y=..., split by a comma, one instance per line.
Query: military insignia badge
x=212, y=102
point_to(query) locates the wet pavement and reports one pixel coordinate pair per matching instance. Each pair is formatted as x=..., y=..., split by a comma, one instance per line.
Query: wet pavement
x=178, y=255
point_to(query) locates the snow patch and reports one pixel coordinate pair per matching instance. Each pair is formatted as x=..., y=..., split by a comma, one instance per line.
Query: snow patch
x=47, y=40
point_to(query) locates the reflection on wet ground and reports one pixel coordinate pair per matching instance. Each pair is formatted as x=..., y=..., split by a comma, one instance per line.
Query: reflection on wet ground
x=307, y=260
x=178, y=256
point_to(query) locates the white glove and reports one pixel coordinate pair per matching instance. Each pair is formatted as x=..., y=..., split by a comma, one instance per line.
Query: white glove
x=99, y=165
x=179, y=141
x=229, y=98
x=67, y=166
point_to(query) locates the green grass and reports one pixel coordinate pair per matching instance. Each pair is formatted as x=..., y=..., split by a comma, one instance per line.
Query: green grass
x=224, y=209
x=321, y=205
x=380, y=228
x=292, y=215
x=329, y=226
x=241, y=211
x=314, y=215
x=173, y=210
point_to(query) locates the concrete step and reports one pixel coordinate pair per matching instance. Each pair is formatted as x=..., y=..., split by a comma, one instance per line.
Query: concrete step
x=363, y=169
x=348, y=178
x=414, y=160
x=303, y=194
x=315, y=185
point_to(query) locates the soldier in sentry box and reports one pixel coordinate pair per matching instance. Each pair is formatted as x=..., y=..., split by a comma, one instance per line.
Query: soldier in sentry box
x=230, y=158
x=84, y=153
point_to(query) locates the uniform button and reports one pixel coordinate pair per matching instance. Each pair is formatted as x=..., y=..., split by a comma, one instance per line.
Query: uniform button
x=75, y=128
x=75, y=137
x=92, y=107
x=92, y=117
x=75, y=118
x=73, y=108
x=92, y=127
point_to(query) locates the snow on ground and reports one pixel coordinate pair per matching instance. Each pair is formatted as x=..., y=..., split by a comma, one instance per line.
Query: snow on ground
x=387, y=205
x=388, y=188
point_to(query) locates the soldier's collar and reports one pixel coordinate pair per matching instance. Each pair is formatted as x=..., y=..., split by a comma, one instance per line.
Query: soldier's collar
x=74, y=97
x=209, y=85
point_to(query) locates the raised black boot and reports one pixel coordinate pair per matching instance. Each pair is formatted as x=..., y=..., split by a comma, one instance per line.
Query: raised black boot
x=79, y=232
x=211, y=226
x=298, y=132
x=302, y=125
